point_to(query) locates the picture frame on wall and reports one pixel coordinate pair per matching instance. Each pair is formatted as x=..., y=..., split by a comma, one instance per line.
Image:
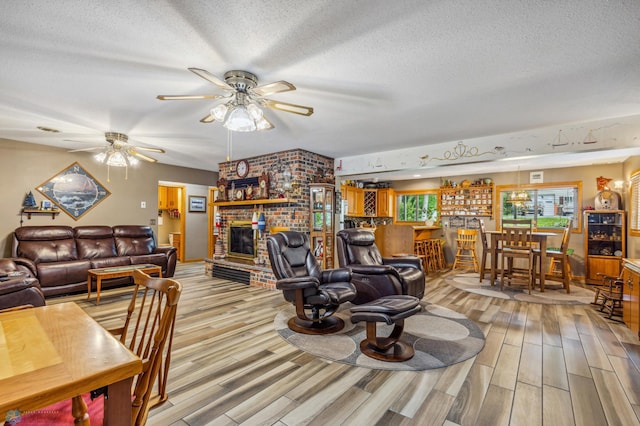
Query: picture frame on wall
x=197, y=204
x=74, y=190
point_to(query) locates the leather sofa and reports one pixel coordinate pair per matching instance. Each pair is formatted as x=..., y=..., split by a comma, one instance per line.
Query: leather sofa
x=60, y=256
x=18, y=286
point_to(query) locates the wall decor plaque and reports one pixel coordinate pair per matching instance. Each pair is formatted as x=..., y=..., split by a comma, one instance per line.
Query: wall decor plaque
x=457, y=222
x=74, y=190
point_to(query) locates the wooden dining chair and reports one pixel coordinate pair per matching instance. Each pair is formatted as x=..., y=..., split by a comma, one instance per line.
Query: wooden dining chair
x=516, y=244
x=466, y=249
x=560, y=255
x=486, y=250
x=148, y=332
x=524, y=223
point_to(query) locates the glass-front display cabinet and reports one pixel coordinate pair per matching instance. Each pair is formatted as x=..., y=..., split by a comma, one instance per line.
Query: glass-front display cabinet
x=604, y=242
x=322, y=218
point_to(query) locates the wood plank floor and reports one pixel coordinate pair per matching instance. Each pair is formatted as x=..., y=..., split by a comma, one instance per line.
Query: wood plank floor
x=542, y=365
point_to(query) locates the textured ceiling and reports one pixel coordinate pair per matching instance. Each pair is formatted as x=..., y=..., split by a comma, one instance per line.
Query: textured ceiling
x=381, y=75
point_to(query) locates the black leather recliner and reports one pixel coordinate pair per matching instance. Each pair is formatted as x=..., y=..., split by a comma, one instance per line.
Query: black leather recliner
x=373, y=275
x=315, y=293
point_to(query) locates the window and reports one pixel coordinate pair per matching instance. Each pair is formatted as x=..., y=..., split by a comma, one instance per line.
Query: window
x=550, y=206
x=416, y=206
x=634, y=221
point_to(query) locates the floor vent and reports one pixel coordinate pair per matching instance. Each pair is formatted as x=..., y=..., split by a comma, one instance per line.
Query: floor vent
x=236, y=275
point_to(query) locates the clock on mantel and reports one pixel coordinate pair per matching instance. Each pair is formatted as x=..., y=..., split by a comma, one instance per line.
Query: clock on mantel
x=242, y=168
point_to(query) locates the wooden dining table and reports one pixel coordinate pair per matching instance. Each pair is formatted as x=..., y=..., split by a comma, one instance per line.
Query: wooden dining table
x=53, y=353
x=536, y=236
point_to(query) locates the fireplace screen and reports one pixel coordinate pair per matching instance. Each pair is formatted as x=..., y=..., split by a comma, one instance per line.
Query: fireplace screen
x=241, y=241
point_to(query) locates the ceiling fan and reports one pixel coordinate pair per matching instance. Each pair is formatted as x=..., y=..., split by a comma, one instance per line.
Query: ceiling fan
x=118, y=152
x=241, y=110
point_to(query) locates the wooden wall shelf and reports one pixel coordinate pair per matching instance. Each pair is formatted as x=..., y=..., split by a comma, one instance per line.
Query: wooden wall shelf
x=29, y=212
x=476, y=200
x=252, y=202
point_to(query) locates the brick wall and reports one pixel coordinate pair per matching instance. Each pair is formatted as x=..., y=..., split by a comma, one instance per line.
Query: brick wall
x=306, y=167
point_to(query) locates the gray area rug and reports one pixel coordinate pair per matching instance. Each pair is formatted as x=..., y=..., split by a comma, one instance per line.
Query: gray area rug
x=440, y=337
x=554, y=292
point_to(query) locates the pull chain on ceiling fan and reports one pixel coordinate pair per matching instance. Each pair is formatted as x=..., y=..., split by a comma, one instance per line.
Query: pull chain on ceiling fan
x=242, y=109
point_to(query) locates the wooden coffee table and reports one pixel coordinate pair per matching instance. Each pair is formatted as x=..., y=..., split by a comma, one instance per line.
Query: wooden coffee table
x=116, y=272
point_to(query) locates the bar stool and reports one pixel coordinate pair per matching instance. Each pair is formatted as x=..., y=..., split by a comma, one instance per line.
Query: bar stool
x=419, y=250
x=434, y=254
x=442, y=261
x=466, y=252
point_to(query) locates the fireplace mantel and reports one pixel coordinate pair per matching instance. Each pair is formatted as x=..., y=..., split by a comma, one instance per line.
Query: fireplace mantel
x=253, y=202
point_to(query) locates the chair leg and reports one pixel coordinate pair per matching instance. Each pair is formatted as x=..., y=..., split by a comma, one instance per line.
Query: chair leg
x=482, y=264
x=79, y=411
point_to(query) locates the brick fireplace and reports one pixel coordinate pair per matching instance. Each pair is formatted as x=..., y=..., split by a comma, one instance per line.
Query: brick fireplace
x=304, y=167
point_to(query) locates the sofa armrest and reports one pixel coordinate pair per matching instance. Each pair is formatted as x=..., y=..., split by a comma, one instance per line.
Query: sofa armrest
x=15, y=284
x=403, y=262
x=297, y=283
x=335, y=275
x=373, y=269
x=21, y=264
x=165, y=249
x=172, y=259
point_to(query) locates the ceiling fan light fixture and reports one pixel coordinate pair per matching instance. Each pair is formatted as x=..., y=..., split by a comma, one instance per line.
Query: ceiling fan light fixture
x=239, y=120
x=255, y=112
x=101, y=156
x=219, y=112
x=116, y=159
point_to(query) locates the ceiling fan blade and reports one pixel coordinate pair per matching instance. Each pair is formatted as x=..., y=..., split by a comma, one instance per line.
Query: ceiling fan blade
x=283, y=106
x=158, y=150
x=93, y=148
x=208, y=119
x=134, y=152
x=186, y=97
x=271, y=88
x=211, y=78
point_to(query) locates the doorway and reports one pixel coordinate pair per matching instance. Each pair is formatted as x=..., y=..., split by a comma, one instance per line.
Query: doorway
x=171, y=222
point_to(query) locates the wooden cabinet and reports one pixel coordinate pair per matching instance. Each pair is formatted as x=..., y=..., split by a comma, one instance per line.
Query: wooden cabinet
x=604, y=243
x=476, y=200
x=173, y=197
x=168, y=197
x=384, y=202
x=355, y=200
x=162, y=198
x=322, y=218
x=368, y=202
x=631, y=295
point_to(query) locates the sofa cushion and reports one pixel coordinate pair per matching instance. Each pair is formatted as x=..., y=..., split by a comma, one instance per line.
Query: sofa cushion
x=46, y=243
x=95, y=242
x=60, y=273
x=134, y=240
